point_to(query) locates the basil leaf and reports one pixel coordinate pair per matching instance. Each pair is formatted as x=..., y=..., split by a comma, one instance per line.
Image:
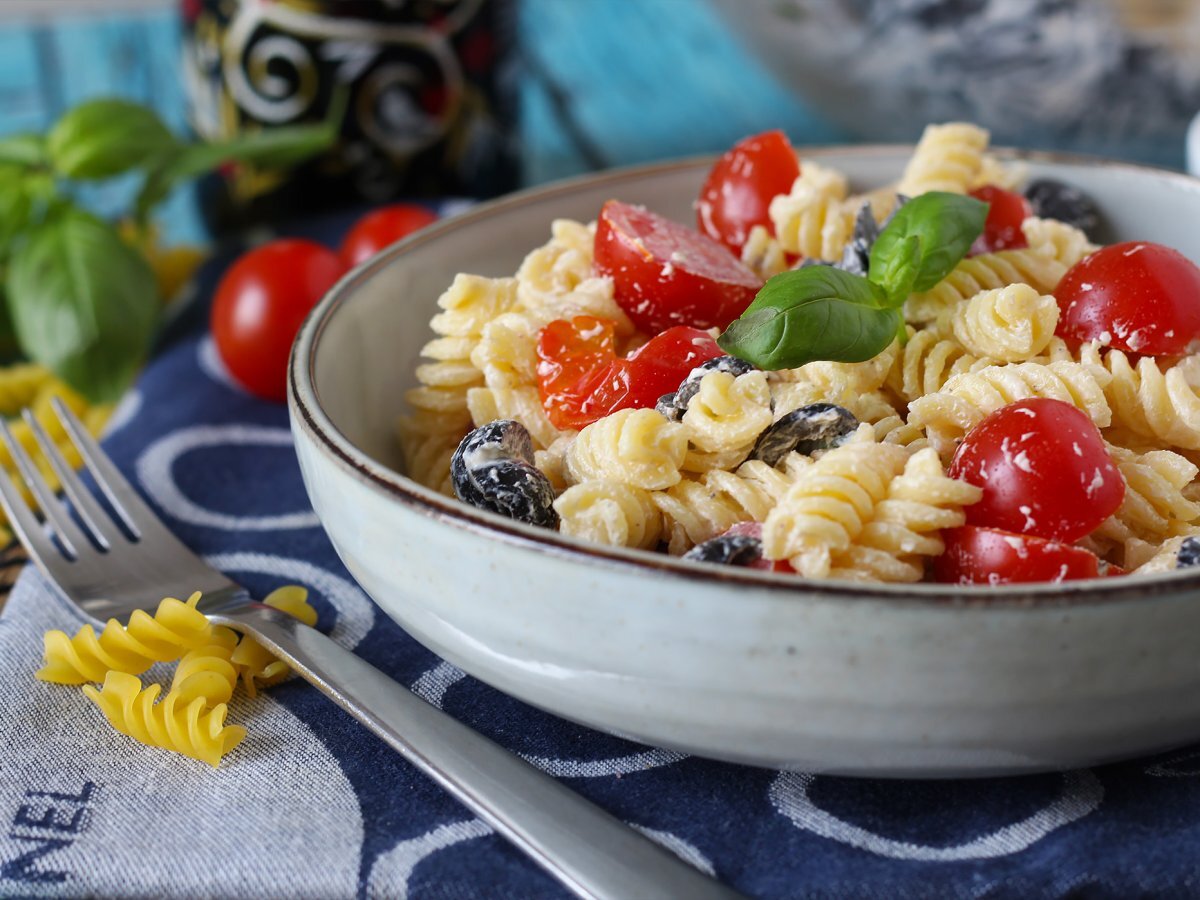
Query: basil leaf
x=15, y=204
x=83, y=303
x=945, y=224
x=27, y=150
x=274, y=148
x=106, y=137
x=813, y=313
x=898, y=272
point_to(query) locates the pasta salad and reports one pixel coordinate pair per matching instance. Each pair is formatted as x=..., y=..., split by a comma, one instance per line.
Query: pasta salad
x=944, y=379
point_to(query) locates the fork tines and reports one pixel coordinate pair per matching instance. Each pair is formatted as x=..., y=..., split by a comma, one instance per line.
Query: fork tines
x=95, y=526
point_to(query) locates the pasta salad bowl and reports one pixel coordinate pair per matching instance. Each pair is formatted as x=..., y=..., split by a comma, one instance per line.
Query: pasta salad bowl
x=750, y=666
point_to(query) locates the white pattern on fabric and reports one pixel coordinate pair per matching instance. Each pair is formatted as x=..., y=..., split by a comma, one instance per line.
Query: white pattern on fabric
x=391, y=871
x=1166, y=768
x=155, y=472
x=355, y=612
x=209, y=361
x=123, y=413
x=1080, y=796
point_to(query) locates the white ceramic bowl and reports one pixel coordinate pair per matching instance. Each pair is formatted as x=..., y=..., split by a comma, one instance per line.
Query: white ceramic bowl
x=730, y=663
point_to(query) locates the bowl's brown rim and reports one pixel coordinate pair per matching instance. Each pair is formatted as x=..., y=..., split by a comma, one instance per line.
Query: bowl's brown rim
x=306, y=413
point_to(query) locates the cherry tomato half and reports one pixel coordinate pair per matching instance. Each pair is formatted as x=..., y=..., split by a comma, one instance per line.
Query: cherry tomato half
x=991, y=556
x=260, y=303
x=1006, y=211
x=666, y=274
x=1043, y=469
x=1139, y=297
x=581, y=379
x=738, y=191
x=382, y=228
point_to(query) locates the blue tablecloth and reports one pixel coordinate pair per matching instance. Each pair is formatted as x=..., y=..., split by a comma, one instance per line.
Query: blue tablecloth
x=313, y=805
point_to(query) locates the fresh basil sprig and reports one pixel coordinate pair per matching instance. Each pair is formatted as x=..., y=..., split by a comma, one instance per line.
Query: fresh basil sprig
x=824, y=313
x=75, y=295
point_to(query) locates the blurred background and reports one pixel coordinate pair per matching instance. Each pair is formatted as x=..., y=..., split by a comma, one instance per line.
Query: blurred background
x=475, y=97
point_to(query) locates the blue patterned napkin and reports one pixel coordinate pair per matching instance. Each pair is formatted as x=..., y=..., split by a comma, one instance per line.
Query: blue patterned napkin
x=312, y=805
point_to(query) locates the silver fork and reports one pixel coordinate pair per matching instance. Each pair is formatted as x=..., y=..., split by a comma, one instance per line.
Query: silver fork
x=111, y=568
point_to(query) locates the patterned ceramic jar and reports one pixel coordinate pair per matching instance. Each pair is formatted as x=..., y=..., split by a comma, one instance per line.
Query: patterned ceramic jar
x=429, y=88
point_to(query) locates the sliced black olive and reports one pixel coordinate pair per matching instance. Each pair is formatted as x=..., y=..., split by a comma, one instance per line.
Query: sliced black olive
x=493, y=469
x=728, y=550
x=666, y=407
x=818, y=426
x=1189, y=553
x=1055, y=200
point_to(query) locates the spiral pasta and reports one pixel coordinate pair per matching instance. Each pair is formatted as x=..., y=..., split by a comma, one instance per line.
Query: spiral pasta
x=698, y=509
x=1064, y=243
x=830, y=503
x=175, y=628
x=967, y=398
x=762, y=254
x=905, y=527
x=947, y=158
x=1146, y=401
x=926, y=362
x=256, y=665
x=814, y=220
x=985, y=272
x=20, y=384
x=189, y=720
x=1154, y=507
x=522, y=404
x=1008, y=324
x=638, y=447
x=728, y=413
x=610, y=513
x=440, y=415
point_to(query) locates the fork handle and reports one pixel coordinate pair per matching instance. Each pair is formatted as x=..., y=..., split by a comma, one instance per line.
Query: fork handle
x=592, y=853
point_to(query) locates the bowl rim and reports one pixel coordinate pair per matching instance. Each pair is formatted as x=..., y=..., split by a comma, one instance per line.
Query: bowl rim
x=307, y=414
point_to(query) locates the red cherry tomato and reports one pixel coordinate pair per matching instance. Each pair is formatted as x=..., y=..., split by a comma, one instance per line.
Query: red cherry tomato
x=1139, y=297
x=260, y=303
x=581, y=379
x=991, y=556
x=754, y=530
x=738, y=191
x=1043, y=469
x=382, y=228
x=666, y=274
x=570, y=352
x=1006, y=212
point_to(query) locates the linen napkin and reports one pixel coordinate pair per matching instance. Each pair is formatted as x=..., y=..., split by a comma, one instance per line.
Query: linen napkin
x=312, y=805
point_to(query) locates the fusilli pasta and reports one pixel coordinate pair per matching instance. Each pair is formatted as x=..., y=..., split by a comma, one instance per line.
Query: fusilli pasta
x=947, y=158
x=638, y=447
x=1008, y=324
x=611, y=513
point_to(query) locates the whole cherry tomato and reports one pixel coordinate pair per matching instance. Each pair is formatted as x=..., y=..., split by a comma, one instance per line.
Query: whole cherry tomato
x=581, y=379
x=1043, y=469
x=1006, y=212
x=260, y=303
x=738, y=191
x=1139, y=297
x=991, y=556
x=666, y=274
x=382, y=228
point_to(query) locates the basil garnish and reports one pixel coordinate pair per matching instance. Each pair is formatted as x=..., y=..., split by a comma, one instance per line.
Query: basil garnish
x=824, y=313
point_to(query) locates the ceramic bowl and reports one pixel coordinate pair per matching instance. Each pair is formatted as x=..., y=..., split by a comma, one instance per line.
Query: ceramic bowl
x=753, y=667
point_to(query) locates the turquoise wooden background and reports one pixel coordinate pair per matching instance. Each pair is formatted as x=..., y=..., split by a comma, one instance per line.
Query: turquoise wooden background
x=606, y=83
